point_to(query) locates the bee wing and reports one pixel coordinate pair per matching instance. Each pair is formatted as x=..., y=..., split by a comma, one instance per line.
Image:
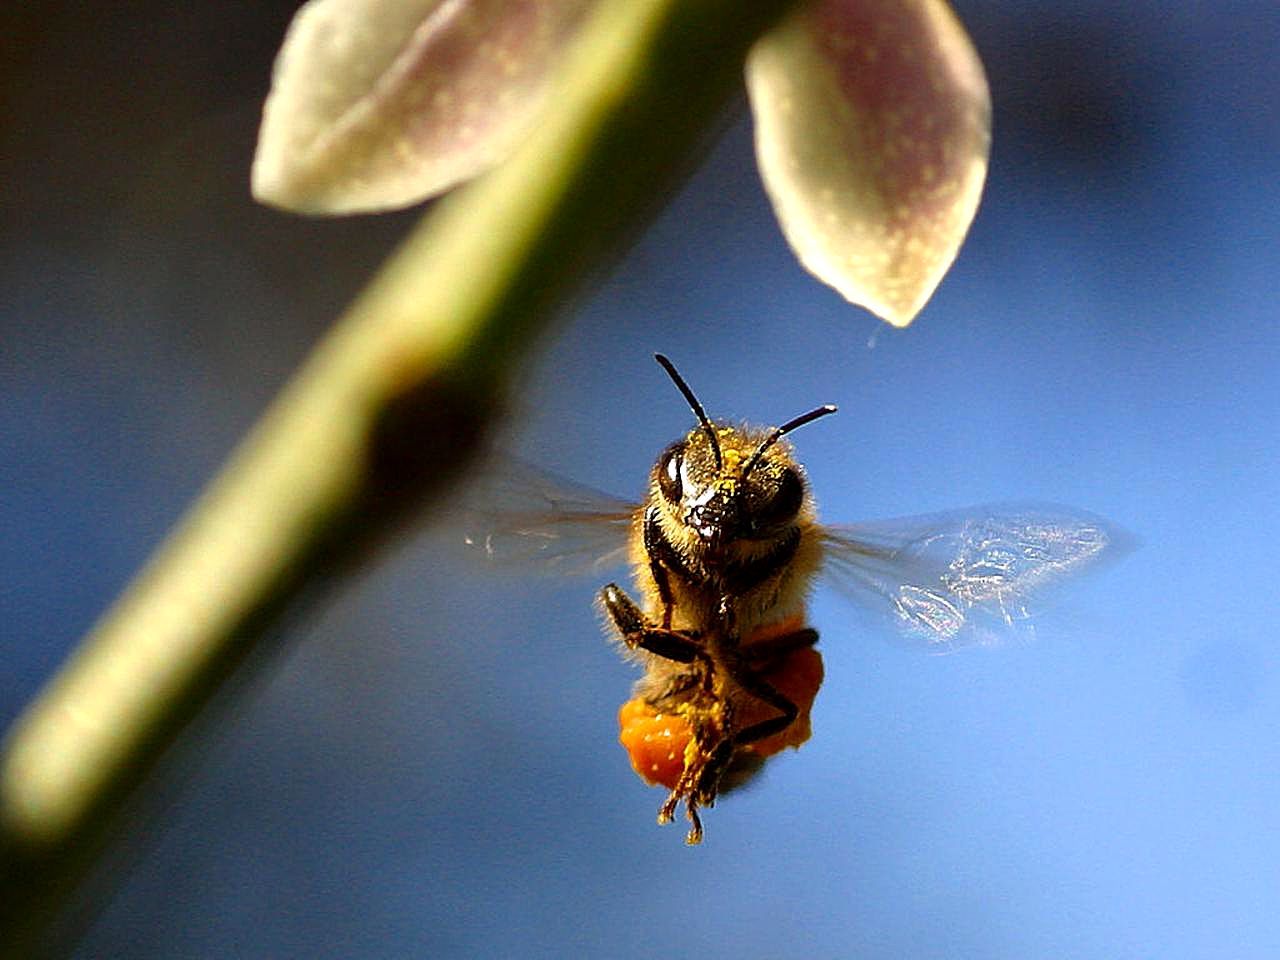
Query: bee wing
x=971, y=576
x=518, y=515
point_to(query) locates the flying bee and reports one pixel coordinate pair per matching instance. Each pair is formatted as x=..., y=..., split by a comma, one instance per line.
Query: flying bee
x=724, y=550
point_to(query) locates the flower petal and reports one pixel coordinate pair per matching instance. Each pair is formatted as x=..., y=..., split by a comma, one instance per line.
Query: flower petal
x=377, y=104
x=873, y=125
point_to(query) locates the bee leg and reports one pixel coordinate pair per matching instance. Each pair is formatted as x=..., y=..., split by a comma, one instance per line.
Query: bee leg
x=703, y=782
x=697, y=788
x=638, y=633
x=667, y=813
x=761, y=689
x=700, y=784
x=694, y=836
x=700, y=780
x=776, y=647
x=747, y=673
x=658, y=549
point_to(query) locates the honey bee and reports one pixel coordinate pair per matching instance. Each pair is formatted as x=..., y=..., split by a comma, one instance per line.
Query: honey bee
x=724, y=550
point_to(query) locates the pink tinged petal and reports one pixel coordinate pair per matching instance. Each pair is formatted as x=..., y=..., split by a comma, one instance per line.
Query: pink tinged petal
x=377, y=104
x=873, y=126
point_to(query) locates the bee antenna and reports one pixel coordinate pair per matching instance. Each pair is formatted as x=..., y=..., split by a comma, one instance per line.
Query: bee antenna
x=783, y=430
x=683, y=387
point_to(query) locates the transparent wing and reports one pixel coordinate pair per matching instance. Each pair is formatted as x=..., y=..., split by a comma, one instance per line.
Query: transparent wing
x=972, y=576
x=518, y=515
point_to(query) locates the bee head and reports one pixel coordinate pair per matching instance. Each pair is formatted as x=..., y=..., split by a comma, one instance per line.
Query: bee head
x=724, y=483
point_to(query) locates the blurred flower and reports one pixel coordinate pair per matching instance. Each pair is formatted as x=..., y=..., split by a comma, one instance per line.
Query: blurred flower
x=872, y=121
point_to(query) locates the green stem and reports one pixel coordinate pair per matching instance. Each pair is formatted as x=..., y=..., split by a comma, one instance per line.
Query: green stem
x=404, y=384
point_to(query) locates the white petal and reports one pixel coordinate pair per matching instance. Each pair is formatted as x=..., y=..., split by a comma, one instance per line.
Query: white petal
x=873, y=126
x=377, y=104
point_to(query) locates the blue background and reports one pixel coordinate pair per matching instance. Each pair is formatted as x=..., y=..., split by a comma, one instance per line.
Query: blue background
x=432, y=769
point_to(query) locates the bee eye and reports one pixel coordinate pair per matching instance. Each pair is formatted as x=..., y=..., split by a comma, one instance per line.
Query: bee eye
x=669, y=473
x=783, y=500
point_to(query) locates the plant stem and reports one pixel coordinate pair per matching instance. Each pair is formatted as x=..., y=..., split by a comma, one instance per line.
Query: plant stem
x=371, y=428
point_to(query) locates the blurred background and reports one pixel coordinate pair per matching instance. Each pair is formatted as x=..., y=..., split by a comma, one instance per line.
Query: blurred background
x=431, y=770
